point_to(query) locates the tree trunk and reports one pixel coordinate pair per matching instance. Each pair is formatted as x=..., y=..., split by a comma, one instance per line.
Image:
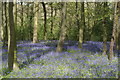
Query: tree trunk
x=119, y=39
x=31, y=14
x=28, y=23
x=81, y=30
x=111, y=55
x=22, y=26
x=12, y=38
x=6, y=26
x=104, y=29
x=90, y=21
x=1, y=22
x=51, y=20
x=15, y=64
x=63, y=29
x=35, y=35
x=45, y=21
x=118, y=26
x=77, y=19
x=60, y=22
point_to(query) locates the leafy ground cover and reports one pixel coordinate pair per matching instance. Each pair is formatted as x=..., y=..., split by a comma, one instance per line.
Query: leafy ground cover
x=40, y=60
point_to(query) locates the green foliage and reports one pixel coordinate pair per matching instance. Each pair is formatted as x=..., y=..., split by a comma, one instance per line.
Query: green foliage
x=94, y=14
x=97, y=31
x=5, y=71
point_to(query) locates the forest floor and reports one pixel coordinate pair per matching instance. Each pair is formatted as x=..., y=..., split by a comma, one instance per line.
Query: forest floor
x=40, y=60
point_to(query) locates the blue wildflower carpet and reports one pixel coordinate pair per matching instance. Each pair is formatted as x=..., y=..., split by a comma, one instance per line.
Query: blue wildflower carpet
x=39, y=60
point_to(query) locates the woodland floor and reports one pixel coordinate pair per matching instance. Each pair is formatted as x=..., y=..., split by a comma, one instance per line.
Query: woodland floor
x=40, y=60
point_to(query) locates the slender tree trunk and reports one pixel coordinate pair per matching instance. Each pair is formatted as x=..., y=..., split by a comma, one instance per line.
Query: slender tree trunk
x=84, y=24
x=89, y=21
x=45, y=21
x=81, y=30
x=77, y=19
x=111, y=55
x=52, y=20
x=6, y=26
x=1, y=22
x=94, y=20
x=118, y=26
x=60, y=22
x=104, y=30
x=22, y=27
x=119, y=39
x=28, y=23
x=35, y=35
x=12, y=38
x=63, y=29
x=15, y=64
x=31, y=14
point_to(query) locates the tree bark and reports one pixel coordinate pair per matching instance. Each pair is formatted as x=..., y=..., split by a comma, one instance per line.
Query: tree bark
x=81, y=30
x=104, y=29
x=77, y=19
x=61, y=20
x=22, y=26
x=63, y=29
x=90, y=20
x=35, y=35
x=118, y=38
x=111, y=55
x=45, y=21
x=31, y=14
x=5, y=30
x=28, y=23
x=15, y=64
x=1, y=22
x=12, y=38
x=118, y=25
x=52, y=20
